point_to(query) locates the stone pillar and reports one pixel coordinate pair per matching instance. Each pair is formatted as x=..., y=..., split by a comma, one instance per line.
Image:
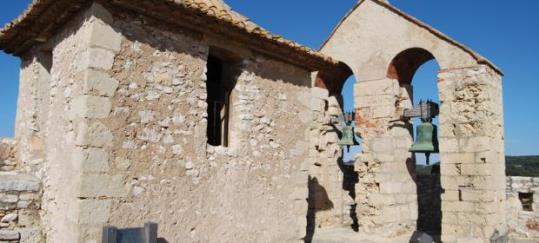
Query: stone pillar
x=96, y=185
x=386, y=192
x=329, y=203
x=60, y=117
x=472, y=154
x=34, y=89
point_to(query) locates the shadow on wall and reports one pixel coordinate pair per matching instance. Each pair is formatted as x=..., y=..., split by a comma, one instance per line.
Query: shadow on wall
x=350, y=179
x=429, y=192
x=318, y=200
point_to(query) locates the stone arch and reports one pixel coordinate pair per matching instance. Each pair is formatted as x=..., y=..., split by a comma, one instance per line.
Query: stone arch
x=331, y=181
x=333, y=79
x=403, y=68
x=385, y=47
x=405, y=64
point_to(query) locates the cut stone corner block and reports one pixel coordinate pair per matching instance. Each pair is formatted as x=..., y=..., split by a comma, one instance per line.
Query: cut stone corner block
x=98, y=11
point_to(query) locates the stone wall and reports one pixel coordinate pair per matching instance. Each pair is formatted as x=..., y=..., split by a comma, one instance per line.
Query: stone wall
x=523, y=222
x=8, y=153
x=387, y=200
x=472, y=153
x=158, y=146
x=330, y=200
x=379, y=43
x=19, y=208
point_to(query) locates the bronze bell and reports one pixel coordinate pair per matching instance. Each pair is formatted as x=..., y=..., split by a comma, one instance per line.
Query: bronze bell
x=427, y=139
x=348, y=137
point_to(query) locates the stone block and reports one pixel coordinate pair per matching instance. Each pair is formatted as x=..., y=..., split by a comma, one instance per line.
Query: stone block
x=31, y=235
x=10, y=217
x=381, y=199
x=487, y=207
x=478, y=169
x=383, y=111
x=457, y=206
x=102, y=35
x=391, y=187
x=93, y=134
x=94, y=186
x=7, y=235
x=8, y=198
x=475, y=144
x=384, y=157
x=468, y=240
x=457, y=158
x=318, y=104
x=321, y=93
x=87, y=106
x=451, y=217
x=91, y=160
x=95, y=58
x=409, y=188
x=450, y=169
x=99, y=83
x=97, y=11
x=19, y=183
x=472, y=218
x=94, y=212
x=449, y=145
x=299, y=193
x=28, y=196
x=448, y=238
x=391, y=168
x=370, y=101
x=450, y=195
x=382, y=145
x=28, y=218
x=376, y=88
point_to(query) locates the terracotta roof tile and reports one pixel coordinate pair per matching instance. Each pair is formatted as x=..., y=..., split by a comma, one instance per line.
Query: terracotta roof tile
x=27, y=26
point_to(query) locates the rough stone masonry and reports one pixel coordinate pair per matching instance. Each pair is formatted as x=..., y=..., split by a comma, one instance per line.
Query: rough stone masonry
x=116, y=124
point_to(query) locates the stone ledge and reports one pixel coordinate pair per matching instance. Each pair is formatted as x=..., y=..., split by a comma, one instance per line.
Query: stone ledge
x=18, y=182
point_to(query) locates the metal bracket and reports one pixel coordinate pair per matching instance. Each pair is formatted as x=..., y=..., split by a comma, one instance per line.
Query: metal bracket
x=426, y=110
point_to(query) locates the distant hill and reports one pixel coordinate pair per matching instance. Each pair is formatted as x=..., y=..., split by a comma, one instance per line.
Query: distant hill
x=522, y=166
x=514, y=166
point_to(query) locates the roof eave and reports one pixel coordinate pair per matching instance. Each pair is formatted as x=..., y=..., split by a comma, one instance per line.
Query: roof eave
x=44, y=17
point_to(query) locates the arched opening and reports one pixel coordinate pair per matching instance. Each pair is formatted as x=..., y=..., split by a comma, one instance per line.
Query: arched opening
x=332, y=181
x=416, y=69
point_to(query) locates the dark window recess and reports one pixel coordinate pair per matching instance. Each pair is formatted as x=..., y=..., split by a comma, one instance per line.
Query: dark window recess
x=221, y=80
x=527, y=200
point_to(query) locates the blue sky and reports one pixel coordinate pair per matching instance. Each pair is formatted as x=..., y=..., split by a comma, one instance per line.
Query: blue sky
x=506, y=32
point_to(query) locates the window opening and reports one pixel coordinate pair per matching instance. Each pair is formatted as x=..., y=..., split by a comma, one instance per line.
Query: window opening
x=221, y=76
x=526, y=199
